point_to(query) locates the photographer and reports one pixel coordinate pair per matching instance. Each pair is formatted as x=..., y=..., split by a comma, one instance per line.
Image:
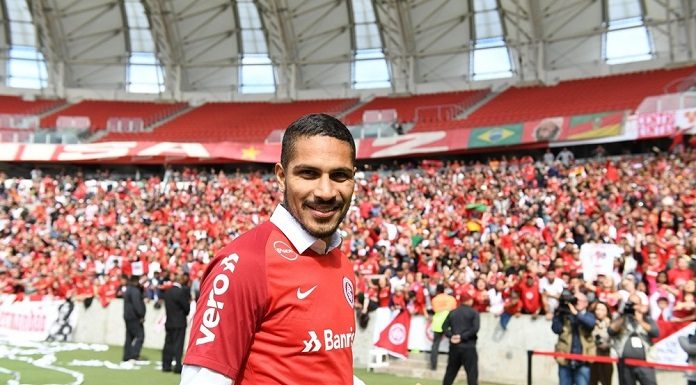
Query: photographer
x=573, y=324
x=688, y=343
x=631, y=333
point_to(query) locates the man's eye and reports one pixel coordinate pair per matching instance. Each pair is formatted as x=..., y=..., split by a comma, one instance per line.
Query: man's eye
x=307, y=173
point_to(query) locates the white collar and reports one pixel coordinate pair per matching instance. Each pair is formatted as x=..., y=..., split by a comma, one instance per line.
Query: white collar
x=298, y=236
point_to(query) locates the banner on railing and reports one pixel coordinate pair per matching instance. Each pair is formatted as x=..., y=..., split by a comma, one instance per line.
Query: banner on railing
x=686, y=120
x=435, y=143
x=37, y=320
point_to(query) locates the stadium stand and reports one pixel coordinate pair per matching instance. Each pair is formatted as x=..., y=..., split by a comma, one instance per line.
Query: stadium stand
x=573, y=97
x=482, y=242
x=241, y=122
x=425, y=107
x=16, y=105
x=99, y=112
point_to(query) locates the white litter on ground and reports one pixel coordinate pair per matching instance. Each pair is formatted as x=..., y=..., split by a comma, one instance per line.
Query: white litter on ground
x=25, y=350
x=105, y=364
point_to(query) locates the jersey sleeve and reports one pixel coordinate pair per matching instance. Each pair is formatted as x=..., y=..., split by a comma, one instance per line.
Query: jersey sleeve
x=229, y=311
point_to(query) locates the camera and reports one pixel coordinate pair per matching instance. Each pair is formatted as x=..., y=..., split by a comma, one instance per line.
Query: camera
x=629, y=308
x=567, y=297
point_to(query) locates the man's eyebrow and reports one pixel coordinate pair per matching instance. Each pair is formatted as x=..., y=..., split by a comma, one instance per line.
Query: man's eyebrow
x=302, y=166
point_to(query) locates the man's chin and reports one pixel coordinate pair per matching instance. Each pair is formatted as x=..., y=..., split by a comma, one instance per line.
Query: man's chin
x=321, y=233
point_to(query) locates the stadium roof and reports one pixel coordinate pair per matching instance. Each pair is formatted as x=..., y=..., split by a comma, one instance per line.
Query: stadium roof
x=296, y=49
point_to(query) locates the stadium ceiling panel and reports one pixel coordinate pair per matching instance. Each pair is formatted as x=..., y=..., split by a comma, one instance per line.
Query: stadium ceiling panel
x=91, y=42
x=429, y=45
x=441, y=32
x=206, y=38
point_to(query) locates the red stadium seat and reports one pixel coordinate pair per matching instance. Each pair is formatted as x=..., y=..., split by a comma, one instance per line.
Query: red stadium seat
x=574, y=97
x=99, y=112
x=241, y=122
x=425, y=107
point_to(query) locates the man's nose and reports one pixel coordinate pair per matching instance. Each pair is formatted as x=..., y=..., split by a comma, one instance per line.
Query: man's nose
x=324, y=189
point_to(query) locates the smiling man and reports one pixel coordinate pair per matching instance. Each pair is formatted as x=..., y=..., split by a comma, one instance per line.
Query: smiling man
x=276, y=304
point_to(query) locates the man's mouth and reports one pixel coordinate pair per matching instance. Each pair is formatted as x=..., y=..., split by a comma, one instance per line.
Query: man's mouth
x=323, y=210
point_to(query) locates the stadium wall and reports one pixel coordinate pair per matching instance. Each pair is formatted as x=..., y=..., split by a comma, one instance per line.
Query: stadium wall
x=502, y=356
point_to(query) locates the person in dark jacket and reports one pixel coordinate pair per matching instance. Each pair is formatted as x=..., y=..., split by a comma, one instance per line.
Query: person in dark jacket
x=574, y=325
x=461, y=326
x=177, y=303
x=134, y=315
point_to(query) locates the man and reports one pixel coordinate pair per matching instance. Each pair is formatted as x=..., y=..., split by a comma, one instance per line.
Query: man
x=461, y=326
x=679, y=275
x=550, y=288
x=442, y=304
x=277, y=303
x=631, y=333
x=177, y=303
x=688, y=343
x=565, y=156
x=529, y=295
x=134, y=315
x=573, y=324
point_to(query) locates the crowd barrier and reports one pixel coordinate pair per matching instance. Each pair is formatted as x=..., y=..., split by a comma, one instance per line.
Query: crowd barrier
x=610, y=360
x=505, y=357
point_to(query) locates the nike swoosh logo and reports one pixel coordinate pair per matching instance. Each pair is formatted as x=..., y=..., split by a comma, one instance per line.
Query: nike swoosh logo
x=303, y=295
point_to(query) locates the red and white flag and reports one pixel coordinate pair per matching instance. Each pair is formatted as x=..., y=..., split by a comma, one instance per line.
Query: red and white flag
x=394, y=338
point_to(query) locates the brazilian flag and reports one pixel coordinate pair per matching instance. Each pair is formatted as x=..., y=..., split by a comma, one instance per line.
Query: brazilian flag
x=496, y=136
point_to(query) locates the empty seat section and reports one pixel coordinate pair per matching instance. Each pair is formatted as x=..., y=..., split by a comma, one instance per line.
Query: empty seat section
x=15, y=105
x=241, y=122
x=575, y=97
x=426, y=107
x=99, y=112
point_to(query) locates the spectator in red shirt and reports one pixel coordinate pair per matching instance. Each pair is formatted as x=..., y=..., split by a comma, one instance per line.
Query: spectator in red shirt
x=530, y=298
x=512, y=307
x=679, y=275
x=480, y=297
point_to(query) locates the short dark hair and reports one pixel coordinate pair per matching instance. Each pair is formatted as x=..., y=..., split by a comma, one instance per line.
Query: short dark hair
x=314, y=125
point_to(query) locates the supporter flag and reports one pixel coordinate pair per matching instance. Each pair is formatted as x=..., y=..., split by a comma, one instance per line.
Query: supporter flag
x=594, y=126
x=394, y=338
x=496, y=136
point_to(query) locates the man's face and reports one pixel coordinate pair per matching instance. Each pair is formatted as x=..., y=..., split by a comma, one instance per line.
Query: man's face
x=582, y=303
x=318, y=184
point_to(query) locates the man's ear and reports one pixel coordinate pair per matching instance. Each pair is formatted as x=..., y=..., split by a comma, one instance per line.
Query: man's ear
x=280, y=175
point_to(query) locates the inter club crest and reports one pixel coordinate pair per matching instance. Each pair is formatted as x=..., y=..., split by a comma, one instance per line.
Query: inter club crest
x=348, y=291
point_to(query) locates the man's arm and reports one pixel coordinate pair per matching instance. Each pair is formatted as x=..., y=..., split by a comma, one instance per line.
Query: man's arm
x=615, y=326
x=184, y=301
x=648, y=324
x=195, y=375
x=557, y=324
x=137, y=301
x=447, y=326
x=474, y=327
x=689, y=348
x=587, y=320
x=232, y=303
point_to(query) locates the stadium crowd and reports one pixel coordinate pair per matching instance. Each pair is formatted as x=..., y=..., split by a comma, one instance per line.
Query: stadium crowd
x=507, y=233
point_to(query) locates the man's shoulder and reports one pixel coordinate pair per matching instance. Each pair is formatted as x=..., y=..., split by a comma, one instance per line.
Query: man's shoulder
x=250, y=239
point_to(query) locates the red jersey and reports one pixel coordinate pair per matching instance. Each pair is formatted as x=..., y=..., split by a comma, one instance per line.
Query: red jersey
x=270, y=314
x=529, y=297
x=677, y=277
